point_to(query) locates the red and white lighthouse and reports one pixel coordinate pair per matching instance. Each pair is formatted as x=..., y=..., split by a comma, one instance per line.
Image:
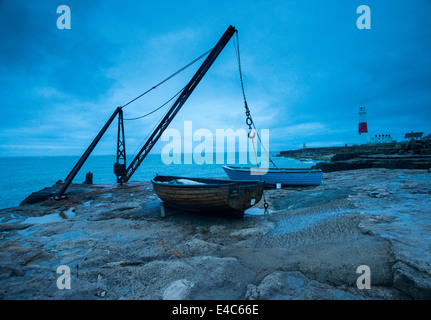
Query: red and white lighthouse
x=363, y=127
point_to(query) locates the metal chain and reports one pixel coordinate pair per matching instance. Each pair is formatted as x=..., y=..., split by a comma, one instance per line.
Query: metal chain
x=249, y=120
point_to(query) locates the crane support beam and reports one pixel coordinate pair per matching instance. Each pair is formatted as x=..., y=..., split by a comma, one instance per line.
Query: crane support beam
x=187, y=91
x=86, y=154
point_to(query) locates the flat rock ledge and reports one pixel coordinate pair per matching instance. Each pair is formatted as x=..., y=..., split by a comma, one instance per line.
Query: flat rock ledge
x=117, y=246
x=376, y=161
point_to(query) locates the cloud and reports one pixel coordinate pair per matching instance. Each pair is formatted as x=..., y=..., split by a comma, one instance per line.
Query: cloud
x=306, y=67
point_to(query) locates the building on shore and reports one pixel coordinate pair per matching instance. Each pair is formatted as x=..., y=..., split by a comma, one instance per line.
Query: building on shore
x=413, y=135
x=381, y=138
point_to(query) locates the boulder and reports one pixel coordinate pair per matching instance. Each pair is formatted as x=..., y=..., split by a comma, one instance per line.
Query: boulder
x=412, y=281
x=39, y=196
x=294, y=285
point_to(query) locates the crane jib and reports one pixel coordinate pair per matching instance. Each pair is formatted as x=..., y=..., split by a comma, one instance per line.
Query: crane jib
x=187, y=91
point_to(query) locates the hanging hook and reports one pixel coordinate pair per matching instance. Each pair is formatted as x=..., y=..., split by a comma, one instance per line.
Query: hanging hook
x=249, y=134
x=249, y=122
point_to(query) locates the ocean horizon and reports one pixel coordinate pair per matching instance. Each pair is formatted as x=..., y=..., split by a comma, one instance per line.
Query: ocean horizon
x=24, y=175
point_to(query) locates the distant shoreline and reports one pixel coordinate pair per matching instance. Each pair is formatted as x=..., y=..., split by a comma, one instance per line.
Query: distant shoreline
x=415, y=154
x=326, y=153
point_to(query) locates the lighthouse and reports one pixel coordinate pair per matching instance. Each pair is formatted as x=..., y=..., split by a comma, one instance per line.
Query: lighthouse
x=363, y=127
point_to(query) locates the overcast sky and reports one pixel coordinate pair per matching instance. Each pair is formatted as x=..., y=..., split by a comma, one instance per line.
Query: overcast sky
x=307, y=69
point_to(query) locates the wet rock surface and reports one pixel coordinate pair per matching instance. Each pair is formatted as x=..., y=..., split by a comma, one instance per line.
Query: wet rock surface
x=117, y=245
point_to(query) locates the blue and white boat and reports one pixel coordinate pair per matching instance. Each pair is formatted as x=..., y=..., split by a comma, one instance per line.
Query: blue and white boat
x=277, y=176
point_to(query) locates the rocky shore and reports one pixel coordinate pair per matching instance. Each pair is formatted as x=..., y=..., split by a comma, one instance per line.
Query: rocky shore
x=326, y=153
x=310, y=246
x=412, y=155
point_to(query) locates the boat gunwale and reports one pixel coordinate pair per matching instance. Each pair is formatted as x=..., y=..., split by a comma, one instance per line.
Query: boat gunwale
x=229, y=183
x=272, y=170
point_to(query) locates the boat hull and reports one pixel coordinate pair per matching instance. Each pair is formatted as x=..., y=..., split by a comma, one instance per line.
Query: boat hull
x=283, y=176
x=210, y=195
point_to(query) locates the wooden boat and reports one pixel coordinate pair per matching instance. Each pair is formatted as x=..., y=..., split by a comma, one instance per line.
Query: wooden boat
x=274, y=176
x=208, y=195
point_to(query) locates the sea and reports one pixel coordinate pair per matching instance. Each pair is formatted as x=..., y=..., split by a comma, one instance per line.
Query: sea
x=22, y=176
